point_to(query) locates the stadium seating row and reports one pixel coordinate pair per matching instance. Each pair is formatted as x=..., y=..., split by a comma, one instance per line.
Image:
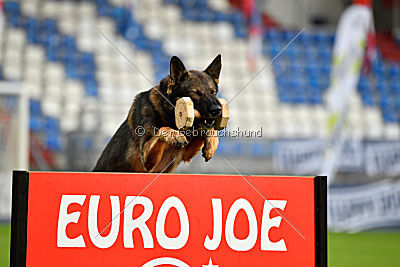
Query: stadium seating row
x=64, y=53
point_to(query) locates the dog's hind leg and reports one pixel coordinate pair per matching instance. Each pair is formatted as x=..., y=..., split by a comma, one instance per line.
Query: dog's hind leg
x=193, y=148
x=142, y=143
x=153, y=151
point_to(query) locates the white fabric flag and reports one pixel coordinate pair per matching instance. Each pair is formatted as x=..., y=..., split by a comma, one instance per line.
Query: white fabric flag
x=348, y=55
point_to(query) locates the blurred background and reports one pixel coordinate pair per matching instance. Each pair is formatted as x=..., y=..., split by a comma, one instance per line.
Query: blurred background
x=320, y=80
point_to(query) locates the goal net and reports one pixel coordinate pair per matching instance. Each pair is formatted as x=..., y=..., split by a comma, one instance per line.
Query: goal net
x=14, y=144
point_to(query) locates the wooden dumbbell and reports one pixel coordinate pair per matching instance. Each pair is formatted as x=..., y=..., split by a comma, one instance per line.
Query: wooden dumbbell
x=185, y=114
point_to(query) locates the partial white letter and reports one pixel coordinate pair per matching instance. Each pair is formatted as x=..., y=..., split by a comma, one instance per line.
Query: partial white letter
x=97, y=239
x=139, y=222
x=268, y=223
x=249, y=242
x=213, y=244
x=64, y=219
x=179, y=241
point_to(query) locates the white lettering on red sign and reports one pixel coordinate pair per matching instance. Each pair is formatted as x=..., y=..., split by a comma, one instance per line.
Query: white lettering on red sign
x=139, y=223
x=175, y=243
x=213, y=244
x=96, y=237
x=179, y=241
x=64, y=219
x=268, y=223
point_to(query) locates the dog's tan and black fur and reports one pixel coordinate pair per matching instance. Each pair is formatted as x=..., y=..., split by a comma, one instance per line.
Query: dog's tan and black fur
x=153, y=112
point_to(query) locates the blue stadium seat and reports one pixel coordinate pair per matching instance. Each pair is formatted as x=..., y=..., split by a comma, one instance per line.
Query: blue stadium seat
x=35, y=123
x=58, y=48
x=53, y=142
x=52, y=134
x=91, y=88
x=35, y=108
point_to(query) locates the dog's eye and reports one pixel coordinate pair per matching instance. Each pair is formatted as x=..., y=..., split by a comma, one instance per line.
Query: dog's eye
x=198, y=92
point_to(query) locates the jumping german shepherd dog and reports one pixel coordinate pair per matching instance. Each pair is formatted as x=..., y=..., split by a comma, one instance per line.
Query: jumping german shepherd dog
x=148, y=140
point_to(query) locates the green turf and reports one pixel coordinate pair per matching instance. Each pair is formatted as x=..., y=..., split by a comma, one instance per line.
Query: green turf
x=5, y=231
x=362, y=249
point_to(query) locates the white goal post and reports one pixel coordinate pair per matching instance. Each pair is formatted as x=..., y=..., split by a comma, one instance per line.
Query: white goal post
x=14, y=139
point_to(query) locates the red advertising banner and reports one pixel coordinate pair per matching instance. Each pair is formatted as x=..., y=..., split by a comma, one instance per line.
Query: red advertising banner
x=110, y=219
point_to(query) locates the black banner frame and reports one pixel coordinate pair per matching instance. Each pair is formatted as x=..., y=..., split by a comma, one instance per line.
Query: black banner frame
x=321, y=221
x=19, y=218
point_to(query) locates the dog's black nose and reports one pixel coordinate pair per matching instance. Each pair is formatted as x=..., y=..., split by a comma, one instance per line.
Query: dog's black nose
x=215, y=110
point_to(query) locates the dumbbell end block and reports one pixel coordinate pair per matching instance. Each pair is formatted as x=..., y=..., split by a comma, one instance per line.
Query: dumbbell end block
x=222, y=121
x=184, y=113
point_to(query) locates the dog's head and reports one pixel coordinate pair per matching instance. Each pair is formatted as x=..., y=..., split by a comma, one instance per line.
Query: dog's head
x=200, y=86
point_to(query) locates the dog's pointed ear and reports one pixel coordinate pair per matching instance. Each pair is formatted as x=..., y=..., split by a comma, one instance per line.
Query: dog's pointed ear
x=176, y=72
x=214, y=69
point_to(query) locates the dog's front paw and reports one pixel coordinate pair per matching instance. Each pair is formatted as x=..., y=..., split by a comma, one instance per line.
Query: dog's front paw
x=210, y=145
x=172, y=137
x=179, y=140
x=207, y=155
